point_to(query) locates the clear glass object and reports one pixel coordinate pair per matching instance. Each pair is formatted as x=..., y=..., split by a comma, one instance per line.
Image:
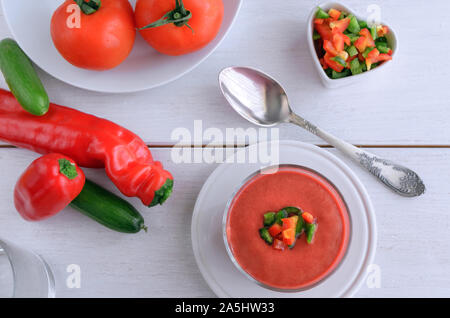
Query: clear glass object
x=23, y=273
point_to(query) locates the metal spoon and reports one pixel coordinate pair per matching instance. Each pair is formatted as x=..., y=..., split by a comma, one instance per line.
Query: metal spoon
x=261, y=100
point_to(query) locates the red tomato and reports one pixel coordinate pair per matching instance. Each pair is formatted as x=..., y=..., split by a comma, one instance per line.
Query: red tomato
x=103, y=40
x=48, y=185
x=171, y=39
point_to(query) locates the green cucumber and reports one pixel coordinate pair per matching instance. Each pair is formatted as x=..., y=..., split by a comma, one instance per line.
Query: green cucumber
x=22, y=78
x=265, y=235
x=108, y=209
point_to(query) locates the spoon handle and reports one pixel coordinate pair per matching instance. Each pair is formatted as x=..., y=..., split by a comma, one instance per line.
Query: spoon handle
x=402, y=180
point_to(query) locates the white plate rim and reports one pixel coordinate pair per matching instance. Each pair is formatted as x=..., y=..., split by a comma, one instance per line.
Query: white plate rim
x=364, y=196
x=125, y=91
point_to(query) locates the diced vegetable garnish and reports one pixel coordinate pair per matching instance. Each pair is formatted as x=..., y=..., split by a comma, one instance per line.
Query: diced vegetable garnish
x=269, y=218
x=288, y=236
x=265, y=235
x=281, y=215
x=278, y=245
x=308, y=217
x=344, y=38
x=290, y=223
x=335, y=14
x=321, y=14
x=310, y=232
x=275, y=230
x=284, y=228
x=353, y=26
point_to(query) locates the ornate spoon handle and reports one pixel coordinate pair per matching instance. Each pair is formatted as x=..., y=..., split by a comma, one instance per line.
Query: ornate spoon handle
x=398, y=178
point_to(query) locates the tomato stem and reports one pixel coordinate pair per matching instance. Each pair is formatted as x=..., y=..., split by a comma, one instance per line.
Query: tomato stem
x=178, y=16
x=89, y=7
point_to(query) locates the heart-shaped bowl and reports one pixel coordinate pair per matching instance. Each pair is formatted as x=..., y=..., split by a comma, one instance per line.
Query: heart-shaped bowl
x=335, y=83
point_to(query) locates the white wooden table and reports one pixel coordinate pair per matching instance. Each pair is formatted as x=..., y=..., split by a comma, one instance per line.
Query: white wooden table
x=403, y=115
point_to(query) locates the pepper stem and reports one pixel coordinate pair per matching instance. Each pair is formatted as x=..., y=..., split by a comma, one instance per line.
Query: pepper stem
x=89, y=7
x=68, y=168
x=178, y=16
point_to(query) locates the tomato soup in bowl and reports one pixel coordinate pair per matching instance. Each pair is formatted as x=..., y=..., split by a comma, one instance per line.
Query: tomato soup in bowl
x=303, y=264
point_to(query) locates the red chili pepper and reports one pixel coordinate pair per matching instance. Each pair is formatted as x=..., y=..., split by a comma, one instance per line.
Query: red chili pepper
x=48, y=185
x=92, y=142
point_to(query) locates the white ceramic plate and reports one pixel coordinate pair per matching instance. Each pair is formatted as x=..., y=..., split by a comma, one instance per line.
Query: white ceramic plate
x=207, y=237
x=29, y=22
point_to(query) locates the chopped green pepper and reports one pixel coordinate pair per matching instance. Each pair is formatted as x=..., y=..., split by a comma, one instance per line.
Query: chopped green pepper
x=300, y=227
x=269, y=218
x=310, y=231
x=321, y=14
x=373, y=31
x=352, y=51
x=265, y=235
x=353, y=27
x=362, y=24
x=316, y=35
x=282, y=214
x=367, y=51
x=340, y=60
x=355, y=67
x=335, y=75
x=383, y=49
x=294, y=210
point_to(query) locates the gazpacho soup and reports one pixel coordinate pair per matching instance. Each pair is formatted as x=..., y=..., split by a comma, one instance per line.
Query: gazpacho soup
x=287, y=230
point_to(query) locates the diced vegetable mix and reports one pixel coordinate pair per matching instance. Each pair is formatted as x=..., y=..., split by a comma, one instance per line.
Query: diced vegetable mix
x=348, y=46
x=283, y=228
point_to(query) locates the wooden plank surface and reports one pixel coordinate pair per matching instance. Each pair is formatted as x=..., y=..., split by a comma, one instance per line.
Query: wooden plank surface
x=406, y=105
x=413, y=247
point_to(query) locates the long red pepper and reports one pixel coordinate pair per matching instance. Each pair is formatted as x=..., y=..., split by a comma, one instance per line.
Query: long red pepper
x=91, y=142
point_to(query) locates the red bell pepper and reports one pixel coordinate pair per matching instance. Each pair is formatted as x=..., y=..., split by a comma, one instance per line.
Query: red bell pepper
x=275, y=230
x=333, y=64
x=338, y=41
x=339, y=26
x=308, y=217
x=371, y=58
x=334, y=14
x=324, y=30
x=288, y=236
x=319, y=21
x=382, y=30
x=48, y=185
x=329, y=47
x=92, y=142
x=290, y=223
x=278, y=245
